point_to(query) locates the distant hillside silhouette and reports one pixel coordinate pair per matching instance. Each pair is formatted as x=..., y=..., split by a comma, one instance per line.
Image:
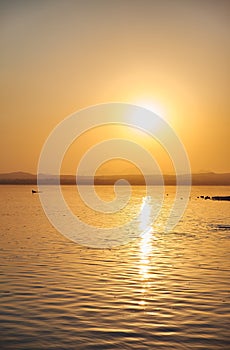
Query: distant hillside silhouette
x=23, y=178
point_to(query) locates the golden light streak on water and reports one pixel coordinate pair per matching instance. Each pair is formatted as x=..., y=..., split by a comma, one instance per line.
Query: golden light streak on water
x=161, y=291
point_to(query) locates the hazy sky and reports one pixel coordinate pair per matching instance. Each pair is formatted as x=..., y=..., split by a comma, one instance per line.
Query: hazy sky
x=60, y=56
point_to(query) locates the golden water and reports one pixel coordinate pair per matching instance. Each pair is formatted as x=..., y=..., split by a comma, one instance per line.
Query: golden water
x=160, y=291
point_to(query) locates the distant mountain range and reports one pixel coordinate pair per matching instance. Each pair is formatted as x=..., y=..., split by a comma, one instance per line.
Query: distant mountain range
x=22, y=178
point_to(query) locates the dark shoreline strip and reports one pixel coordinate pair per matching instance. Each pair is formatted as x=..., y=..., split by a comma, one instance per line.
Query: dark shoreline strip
x=221, y=198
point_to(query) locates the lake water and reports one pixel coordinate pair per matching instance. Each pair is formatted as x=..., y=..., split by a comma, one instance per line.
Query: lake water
x=159, y=291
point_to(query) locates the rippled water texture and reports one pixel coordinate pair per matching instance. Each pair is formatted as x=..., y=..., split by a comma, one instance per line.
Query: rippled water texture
x=160, y=291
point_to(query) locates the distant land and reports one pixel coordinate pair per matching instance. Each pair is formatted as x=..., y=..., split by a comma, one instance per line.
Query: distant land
x=201, y=179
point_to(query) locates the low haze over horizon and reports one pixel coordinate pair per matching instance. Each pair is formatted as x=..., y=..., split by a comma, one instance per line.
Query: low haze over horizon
x=61, y=56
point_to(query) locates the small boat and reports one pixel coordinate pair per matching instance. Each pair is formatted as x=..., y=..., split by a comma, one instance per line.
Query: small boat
x=34, y=191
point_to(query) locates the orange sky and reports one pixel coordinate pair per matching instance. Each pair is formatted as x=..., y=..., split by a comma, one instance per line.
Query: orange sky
x=60, y=56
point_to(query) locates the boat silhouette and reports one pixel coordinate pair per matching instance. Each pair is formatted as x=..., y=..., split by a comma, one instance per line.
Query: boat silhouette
x=34, y=191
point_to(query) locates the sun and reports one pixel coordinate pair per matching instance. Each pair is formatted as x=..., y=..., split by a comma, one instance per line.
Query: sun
x=150, y=104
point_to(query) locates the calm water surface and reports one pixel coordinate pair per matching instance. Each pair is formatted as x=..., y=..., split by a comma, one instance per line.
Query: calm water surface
x=161, y=291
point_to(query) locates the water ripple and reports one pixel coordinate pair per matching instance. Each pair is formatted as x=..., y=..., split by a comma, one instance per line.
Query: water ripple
x=162, y=291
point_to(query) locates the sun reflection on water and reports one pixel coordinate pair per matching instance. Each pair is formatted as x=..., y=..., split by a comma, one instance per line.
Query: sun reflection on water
x=145, y=253
x=146, y=249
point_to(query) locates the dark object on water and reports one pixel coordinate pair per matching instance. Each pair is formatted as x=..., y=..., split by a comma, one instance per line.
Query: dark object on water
x=34, y=191
x=207, y=197
x=201, y=196
x=223, y=227
x=221, y=198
